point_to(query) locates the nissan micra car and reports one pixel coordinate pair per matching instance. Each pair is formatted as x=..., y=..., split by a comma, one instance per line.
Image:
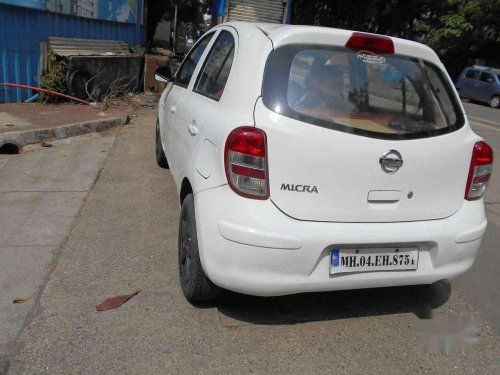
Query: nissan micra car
x=316, y=159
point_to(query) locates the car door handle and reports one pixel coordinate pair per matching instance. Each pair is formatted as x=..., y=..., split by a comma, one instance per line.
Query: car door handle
x=192, y=128
x=172, y=108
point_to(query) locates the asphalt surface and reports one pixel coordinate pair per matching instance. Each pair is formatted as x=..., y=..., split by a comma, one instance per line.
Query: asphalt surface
x=119, y=235
x=482, y=112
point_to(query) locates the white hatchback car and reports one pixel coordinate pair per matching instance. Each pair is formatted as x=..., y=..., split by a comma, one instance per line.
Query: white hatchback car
x=316, y=159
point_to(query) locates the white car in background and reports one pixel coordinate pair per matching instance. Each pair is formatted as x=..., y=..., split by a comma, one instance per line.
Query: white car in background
x=314, y=159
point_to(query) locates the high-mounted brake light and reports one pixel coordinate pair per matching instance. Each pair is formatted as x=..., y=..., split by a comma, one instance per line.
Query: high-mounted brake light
x=370, y=42
x=245, y=160
x=481, y=165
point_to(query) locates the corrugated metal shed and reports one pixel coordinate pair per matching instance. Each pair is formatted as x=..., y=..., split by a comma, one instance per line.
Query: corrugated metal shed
x=88, y=47
x=257, y=10
x=23, y=30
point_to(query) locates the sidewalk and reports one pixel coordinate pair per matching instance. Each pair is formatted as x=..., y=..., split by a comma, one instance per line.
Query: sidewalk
x=28, y=123
x=41, y=193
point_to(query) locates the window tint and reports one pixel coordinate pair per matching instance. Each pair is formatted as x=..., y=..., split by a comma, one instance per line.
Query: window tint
x=186, y=71
x=389, y=96
x=470, y=74
x=485, y=76
x=213, y=77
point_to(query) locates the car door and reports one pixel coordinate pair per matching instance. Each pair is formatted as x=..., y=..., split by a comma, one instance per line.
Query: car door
x=175, y=94
x=468, y=82
x=202, y=100
x=485, y=86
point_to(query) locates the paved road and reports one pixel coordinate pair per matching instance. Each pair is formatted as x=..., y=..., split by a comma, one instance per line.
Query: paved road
x=481, y=112
x=124, y=238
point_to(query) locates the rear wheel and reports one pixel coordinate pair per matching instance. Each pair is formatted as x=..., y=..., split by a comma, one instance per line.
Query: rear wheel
x=161, y=159
x=195, y=284
x=494, y=101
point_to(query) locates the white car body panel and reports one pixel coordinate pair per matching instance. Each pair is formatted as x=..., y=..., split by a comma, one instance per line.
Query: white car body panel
x=274, y=264
x=281, y=245
x=345, y=183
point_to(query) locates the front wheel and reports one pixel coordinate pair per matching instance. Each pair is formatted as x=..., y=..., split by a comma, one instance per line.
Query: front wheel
x=494, y=101
x=194, y=282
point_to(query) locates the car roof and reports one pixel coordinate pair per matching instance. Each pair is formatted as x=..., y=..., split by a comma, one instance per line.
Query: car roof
x=484, y=69
x=281, y=34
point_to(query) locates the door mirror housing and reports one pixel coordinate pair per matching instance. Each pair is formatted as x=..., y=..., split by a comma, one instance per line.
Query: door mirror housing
x=490, y=80
x=164, y=74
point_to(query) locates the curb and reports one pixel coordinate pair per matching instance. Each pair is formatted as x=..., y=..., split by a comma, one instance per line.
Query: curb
x=25, y=137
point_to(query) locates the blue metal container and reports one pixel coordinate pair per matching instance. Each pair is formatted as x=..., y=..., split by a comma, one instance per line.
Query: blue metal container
x=23, y=29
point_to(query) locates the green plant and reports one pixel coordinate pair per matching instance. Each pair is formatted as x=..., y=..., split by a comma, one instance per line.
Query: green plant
x=55, y=80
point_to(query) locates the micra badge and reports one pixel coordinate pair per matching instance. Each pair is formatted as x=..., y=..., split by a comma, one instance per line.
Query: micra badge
x=299, y=188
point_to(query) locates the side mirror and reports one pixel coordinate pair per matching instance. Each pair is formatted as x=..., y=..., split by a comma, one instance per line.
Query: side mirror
x=490, y=80
x=164, y=74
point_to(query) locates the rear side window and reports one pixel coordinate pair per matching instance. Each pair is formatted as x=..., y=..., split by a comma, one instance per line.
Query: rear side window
x=214, y=74
x=189, y=65
x=389, y=97
x=470, y=74
x=485, y=77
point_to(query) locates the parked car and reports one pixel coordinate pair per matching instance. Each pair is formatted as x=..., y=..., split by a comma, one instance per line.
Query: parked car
x=481, y=84
x=314, y=159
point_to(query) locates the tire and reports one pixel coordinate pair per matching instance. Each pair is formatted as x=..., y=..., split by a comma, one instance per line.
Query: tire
x=435, y=295
x=194, y=283
x=77, y=78
x=161, y=159
x=494, y=102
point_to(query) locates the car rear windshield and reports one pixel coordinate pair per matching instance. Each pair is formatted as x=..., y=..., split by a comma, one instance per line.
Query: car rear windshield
x=380, y=96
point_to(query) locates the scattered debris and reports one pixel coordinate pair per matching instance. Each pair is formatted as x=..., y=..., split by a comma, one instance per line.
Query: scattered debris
x=46, y=144
x=21, y=299
x=147, y=99
x=114, y=302
x=161, y=51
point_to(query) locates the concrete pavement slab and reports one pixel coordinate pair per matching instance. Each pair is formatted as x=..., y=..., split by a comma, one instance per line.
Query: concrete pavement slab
x=37, y=218
x=71, y=165
x=23, y=271
x=41, y=193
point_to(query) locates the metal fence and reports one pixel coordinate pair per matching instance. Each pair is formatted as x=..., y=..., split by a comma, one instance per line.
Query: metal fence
x=22, y=30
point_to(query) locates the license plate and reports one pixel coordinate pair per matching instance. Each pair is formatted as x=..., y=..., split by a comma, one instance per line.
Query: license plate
x=379, y=259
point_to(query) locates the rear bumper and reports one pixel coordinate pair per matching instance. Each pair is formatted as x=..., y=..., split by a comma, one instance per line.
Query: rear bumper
x=251, y=247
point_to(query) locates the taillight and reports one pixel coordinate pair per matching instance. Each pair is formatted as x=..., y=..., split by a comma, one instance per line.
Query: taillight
x=480, y=171
x=370, y=42
x=245, y=159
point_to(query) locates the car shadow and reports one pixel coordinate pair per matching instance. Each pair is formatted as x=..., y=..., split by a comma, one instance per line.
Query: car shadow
x=309, y=307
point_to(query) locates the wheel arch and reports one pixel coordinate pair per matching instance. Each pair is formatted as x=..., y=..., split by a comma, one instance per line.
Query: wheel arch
x=186, y=189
